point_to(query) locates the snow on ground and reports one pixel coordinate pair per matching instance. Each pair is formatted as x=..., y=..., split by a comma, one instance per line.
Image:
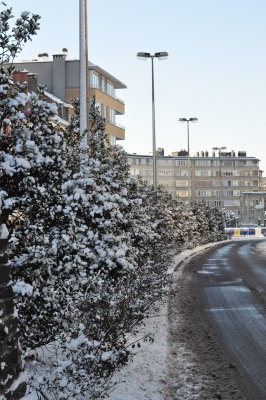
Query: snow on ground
x=156, y=365
x=145, y=377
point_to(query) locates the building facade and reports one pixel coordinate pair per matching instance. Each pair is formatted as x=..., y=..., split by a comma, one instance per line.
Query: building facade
x=218, y=182
x=61, y=76
x=253, y=208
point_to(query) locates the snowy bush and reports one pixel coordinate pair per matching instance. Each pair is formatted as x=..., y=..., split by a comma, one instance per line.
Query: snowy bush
x=89, y=244
x=230, y=218
x=209, y=220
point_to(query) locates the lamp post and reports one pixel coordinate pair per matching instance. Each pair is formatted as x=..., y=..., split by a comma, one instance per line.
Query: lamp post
x=162, y=55
x=188, y=120
x=83, y=69
x=220, y=171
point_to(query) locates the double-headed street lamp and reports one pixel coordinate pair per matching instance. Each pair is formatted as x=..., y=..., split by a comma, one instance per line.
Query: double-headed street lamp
x=162, y=55
x=220, y=171
x=188, y=120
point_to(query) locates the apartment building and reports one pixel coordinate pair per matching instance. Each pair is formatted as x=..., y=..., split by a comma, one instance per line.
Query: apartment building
x=253, y=210
x=61, y=76
x=219, y=182
x=264, y=183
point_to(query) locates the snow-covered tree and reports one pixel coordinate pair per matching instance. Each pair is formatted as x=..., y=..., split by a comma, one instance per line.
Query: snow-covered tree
x=209, y=222
x=89, y=243
x=230, y=218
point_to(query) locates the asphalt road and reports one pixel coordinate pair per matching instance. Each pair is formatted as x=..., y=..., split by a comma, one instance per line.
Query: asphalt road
x=230, y=282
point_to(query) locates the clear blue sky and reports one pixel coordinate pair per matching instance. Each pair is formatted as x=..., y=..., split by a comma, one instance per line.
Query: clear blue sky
x=216, y=68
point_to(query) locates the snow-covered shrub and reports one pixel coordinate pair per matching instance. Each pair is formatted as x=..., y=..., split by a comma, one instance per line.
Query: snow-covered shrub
x=230, y=218
x=209, y=221
x=89, y=244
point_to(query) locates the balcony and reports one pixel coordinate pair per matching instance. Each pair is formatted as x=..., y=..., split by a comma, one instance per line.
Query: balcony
x=113, y=102
x=116, y=130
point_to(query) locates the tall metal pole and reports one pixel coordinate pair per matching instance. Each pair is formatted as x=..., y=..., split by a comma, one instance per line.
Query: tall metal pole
x=188, y=166
x=220, y=167
x=83, y=68
x=153, y=129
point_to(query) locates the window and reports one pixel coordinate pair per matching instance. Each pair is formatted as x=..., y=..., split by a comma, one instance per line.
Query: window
x=203, y=193
x=98, y=106
x=202, y=163
x=228, y=203
x=181, y=183
x=202, y=184
x=105, y=111
x=229, y=193
x=112, y=116
x=181, y=163
x=182, y=193
x=148, y=161
x=110, y=89
x=228, y=163
x=241, y=162
x=94, y=80
x=112, y=140
x=202, y=173
x=165, y=172
x=103, y=84
x=182, y=172
x=164, y=162
x=216, y=183
x=215, y=163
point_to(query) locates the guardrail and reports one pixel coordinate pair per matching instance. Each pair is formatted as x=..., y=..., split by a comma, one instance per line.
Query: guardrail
x=250, y=231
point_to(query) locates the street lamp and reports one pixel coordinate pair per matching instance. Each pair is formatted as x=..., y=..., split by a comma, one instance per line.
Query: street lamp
x=162, y=55
x=220, y=171
x=188, y=120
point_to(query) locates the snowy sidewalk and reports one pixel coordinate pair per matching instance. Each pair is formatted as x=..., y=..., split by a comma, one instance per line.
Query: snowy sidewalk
x=145, y=377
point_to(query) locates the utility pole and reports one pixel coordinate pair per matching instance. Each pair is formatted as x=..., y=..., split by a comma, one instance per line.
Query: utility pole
x=83, y=69
x=189, y=181
x=162, y=55
x=220, y=172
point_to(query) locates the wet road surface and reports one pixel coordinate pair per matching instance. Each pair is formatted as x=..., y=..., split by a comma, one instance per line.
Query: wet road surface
x=230, y=282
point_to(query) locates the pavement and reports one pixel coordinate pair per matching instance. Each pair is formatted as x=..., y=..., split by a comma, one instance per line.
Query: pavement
x=229, y=287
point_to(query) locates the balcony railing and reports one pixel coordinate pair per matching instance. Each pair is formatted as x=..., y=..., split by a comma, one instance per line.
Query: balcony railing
x=94, y=86
x=116, y=124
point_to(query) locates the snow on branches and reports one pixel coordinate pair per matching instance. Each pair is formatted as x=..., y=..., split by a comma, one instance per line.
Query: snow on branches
x=88, y=244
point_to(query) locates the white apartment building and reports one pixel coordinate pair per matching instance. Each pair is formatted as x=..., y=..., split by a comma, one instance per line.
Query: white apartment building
x=219, y=182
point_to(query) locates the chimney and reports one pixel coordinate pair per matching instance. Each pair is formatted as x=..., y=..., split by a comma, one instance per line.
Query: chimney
x=21, y=77
x=65, y=52
x=59, y=56
x=32, y=82
x=43, y=57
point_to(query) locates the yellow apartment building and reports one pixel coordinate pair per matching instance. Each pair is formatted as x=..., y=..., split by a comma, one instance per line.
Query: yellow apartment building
x=61, y=76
